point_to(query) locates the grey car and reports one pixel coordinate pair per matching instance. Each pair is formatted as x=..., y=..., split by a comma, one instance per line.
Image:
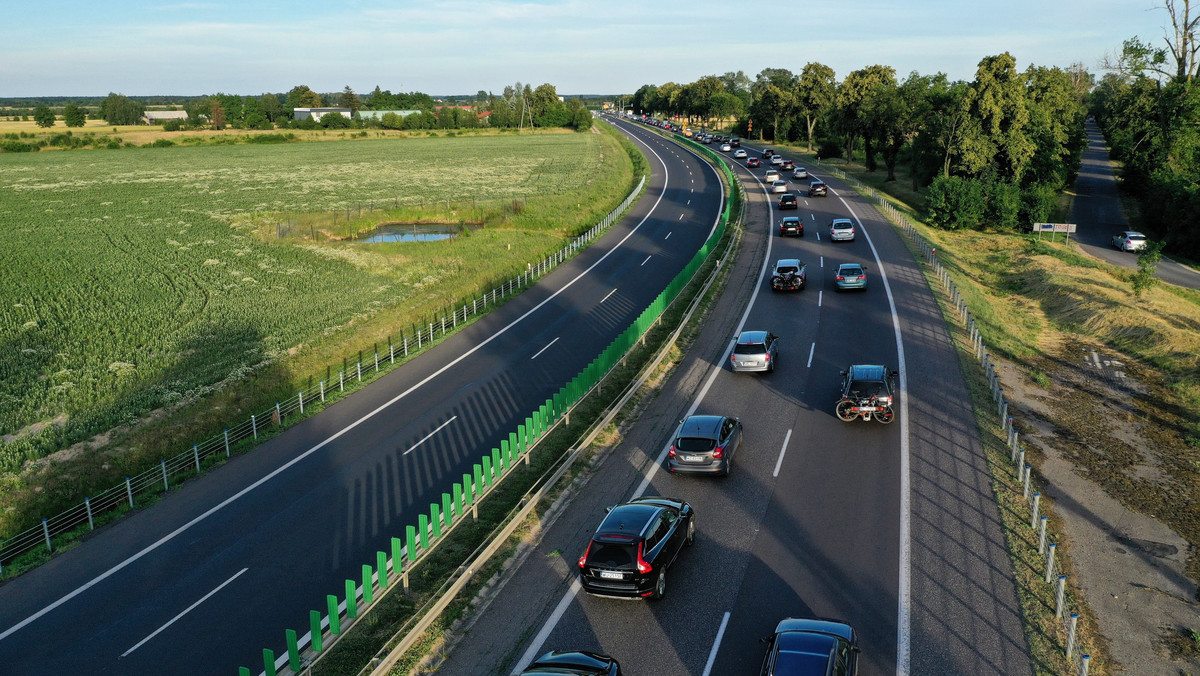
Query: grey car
x=705, y=444
x=841, y=230
x=755, y=351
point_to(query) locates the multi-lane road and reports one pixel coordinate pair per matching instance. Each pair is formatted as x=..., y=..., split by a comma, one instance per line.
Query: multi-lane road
x=203, y=581
x=893, y=529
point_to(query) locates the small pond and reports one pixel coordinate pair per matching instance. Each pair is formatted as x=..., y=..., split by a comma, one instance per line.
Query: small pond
x=411, y=232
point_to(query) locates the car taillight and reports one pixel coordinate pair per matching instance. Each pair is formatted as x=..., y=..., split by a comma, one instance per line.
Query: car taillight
x=672, y=451
x=583, y=559
x=719, y=451
x=841, y=278
x=642, y=566
x=862, y=276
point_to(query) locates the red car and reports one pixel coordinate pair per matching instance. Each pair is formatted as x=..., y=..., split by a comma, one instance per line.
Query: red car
x=753, y=162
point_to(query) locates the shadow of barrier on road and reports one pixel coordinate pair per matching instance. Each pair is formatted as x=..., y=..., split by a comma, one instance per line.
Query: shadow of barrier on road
x=30, y=546
x=392, y=569
x=1049, y=563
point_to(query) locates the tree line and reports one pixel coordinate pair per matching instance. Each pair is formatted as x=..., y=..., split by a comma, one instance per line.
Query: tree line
x=992, y=152
x=1148, y=107
x=517, y=106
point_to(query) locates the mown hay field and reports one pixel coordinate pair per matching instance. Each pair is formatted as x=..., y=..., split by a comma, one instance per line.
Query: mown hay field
x=137, y=280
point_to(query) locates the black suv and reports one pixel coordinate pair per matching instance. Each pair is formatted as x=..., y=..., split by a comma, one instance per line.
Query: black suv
x=788, y=201
x=581, y=663
x=817, y=188
x=788, y=275
x=868, y=390
x=735, y=142
x=811, y=647
x=634, y=545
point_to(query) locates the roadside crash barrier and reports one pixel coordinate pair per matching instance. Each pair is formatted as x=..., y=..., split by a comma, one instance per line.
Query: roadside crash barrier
x=959, y=310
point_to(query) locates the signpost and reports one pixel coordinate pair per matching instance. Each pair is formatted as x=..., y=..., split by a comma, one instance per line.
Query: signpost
x=1053, y=228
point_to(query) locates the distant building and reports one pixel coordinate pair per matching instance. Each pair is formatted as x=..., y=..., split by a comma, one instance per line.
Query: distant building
x=305, y=113
x=160, y=116
x=378, y=114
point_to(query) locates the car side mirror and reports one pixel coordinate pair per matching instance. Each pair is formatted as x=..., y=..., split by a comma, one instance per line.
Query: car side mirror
x=843, y=373
x=855, y=648
x=895, y=374
x=765, y=639
x=609, y=509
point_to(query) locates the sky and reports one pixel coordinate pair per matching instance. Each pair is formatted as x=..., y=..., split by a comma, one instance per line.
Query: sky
x=141, y=47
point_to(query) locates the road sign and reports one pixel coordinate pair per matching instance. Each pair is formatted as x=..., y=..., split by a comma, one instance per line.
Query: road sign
x=1053, y=228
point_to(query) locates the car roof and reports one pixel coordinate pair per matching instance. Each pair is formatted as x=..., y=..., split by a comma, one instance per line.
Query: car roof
x=563, y=662
x=702, y=426
x=786, y=194
x=868, y=372
x=789, y=219
x=1132, y=233
x=628, y=520
x=849, y=265
x=751, y=337
x=842, y=221
x=788, y=261
x=818, y=625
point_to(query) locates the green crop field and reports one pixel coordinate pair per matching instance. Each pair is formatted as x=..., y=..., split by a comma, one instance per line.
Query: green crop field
x=134, y=281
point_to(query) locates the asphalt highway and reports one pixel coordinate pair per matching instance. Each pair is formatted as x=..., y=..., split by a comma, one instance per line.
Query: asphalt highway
x=1096, y=211
x=893, y=529
x=214, y=573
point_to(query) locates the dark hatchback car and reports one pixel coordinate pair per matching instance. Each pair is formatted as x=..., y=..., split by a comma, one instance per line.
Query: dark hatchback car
x=788, y=201
x=581, y=663
x=868, y=391
x=753, y=162
x=705, y=444
x=817, y=188
x=633, y=547
x=811, y=647
x=791, y=226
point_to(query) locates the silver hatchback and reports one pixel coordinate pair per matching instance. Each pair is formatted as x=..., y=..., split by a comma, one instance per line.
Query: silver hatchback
x=755, y=351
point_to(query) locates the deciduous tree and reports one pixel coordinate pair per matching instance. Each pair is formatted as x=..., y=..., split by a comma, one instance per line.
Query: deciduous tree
x=43, y=116
x=74, y=116
x=816, y=91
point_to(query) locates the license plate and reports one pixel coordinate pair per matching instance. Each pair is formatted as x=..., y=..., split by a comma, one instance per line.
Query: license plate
x=692, y=458
x=867, y=408
x=611, y=576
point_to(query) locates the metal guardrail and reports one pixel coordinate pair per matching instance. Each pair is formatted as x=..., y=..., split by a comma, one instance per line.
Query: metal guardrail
x=391, y=572
x=209, y=452
x=1078, y=661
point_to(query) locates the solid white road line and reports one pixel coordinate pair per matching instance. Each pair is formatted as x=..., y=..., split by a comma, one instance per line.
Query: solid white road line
x=426, y=437
x=610, y=293
x=712, y=654
x=647, y=260
x=551, y=623
x=811, y=349
x=185, y=612
x=284, y=467
x=904, y=602
x=779, y=463
x=539, y=352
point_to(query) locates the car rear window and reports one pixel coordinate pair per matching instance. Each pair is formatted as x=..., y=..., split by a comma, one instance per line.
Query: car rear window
x=866, y=388
x=842, y=226
x=749, y=348
x=694, y=444
x=612, y=555
x=1136, y=238
x=785, y=269
x=852, y=271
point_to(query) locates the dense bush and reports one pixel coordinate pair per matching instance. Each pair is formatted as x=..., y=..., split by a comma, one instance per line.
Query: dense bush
x=955, y=202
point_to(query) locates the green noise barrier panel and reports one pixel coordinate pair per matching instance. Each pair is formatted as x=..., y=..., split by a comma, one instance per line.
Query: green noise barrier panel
x=494, y=465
